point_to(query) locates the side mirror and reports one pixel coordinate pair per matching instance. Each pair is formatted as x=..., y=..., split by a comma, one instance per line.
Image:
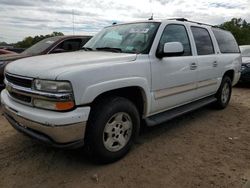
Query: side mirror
x=171, y=49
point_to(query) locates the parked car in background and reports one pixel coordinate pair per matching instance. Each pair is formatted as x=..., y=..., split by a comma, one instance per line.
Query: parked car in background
x=50, y=45
x=4, y=52
x=17, y=50
x=245, y=68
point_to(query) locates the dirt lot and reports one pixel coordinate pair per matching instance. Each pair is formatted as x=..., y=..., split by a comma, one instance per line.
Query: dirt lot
x=207, y=148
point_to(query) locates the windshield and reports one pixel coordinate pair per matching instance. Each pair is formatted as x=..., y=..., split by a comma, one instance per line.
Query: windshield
x=127, y=38
x=245, y=51
x=40, y=46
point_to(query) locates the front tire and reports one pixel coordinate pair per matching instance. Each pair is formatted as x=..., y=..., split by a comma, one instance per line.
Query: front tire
x=112, y=128
x=223, y=95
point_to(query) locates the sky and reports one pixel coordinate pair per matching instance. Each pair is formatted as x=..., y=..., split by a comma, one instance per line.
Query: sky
x=22, y=18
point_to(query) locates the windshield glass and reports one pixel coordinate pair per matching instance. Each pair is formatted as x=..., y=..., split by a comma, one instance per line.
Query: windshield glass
x=41, y=46
x=127, y=38
x=245, y=51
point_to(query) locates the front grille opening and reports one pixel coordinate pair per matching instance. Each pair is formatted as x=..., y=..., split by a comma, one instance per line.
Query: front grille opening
x=19, y=81
x=20, y=97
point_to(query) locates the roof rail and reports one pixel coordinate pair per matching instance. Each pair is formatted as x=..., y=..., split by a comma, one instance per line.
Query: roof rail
x=186, y=20
x=179, y=19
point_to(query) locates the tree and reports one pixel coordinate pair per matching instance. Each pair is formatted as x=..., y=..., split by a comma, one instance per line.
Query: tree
x=29, y=41
x=240, y=29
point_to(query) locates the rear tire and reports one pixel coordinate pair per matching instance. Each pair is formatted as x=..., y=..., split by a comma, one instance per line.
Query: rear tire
x=112, y=128
x=223, y=95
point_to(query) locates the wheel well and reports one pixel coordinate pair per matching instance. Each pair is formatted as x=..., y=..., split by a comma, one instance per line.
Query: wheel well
x=230, y=74
x=134, y=94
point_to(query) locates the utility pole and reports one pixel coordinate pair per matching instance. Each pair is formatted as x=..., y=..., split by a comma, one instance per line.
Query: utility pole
x=73, y=21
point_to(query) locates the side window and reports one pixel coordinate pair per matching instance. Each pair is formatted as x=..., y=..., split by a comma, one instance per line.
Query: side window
x=226, y=41
x=203, y=41
x=71, y=45
x=85, y=40
x=175, y=33
x=68, y=46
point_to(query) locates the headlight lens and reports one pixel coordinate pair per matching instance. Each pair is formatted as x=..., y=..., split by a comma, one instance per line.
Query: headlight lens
x=52, y=86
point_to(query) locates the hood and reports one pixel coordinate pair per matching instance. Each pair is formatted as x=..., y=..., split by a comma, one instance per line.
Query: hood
x=50, y=66
x=245, y=60
x=12, y=57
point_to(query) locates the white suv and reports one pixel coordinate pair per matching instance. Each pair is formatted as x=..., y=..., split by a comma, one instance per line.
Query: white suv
x=148, y=71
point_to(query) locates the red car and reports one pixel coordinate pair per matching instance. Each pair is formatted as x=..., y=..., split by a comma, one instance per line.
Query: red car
x=3, y=52
x=50, y=45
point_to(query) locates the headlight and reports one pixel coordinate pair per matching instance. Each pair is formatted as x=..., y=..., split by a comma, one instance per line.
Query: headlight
x=52, y=86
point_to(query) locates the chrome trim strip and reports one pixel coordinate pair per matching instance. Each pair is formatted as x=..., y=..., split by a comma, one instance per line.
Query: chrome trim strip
x=164, y=110
x=38, y=94
x=174, y=90
x=207, y=83
x=17, y=76
x=183, y=88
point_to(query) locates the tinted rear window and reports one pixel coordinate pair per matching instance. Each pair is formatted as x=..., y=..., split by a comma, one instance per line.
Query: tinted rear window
x=226, y=41
x=203, y=41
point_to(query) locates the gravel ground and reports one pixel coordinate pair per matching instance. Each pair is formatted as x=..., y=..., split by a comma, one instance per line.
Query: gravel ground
x=206, y=148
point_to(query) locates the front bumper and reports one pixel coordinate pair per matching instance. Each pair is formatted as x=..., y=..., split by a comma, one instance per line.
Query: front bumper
x=59, y=129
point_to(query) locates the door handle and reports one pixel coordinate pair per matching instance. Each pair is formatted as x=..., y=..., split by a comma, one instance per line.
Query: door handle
x=193, y=66
x=215, y=64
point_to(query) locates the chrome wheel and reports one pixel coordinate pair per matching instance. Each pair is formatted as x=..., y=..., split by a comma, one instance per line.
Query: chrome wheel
x=117, y=132
x=225, y=93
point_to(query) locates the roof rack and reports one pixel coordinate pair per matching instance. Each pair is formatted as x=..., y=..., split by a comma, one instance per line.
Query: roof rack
x=186, y=20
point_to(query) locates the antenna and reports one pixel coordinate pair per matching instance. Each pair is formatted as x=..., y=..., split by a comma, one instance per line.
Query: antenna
x=152, y=17
x=73, y=21
x=151, y=10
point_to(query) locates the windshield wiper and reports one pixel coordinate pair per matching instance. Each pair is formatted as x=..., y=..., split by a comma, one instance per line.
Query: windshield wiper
x=87, y=49
x=110, y=49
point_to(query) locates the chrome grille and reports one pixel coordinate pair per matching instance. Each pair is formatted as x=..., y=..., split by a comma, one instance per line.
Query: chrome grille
x=18, y=80
x=23, y=98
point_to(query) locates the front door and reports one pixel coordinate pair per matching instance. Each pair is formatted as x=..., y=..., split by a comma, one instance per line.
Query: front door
x=173, y=78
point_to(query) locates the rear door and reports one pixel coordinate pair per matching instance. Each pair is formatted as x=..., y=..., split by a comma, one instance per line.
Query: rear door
x=208, y=72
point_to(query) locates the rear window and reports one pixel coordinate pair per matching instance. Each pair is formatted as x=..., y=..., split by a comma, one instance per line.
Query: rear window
x=226, y=41
x=203, y=41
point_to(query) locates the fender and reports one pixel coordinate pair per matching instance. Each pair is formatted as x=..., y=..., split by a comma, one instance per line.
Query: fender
x=236, y=67
x=93, y=91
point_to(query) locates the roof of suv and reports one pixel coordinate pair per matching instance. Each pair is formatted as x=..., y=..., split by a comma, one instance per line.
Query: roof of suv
x=181, y=20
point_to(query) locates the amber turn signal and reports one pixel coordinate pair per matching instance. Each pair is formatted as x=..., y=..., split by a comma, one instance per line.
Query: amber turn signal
x=64, y=105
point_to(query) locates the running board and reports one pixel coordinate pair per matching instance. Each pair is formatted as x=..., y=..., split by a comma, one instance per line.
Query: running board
x=170, y=114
